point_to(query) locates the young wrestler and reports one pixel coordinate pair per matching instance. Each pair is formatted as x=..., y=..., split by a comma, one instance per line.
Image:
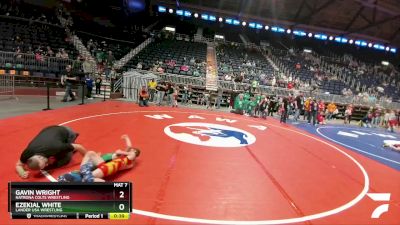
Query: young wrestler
x=94, y=168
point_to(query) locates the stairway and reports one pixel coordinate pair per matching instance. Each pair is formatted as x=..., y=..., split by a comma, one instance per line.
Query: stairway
x=76, y=41
x=121, y=63
x=81, y=48
x=104, y=85
x=212, y=68
x=276, y=68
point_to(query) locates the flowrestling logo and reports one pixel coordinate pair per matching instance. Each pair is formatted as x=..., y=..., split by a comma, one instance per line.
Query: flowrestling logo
x=211, y=135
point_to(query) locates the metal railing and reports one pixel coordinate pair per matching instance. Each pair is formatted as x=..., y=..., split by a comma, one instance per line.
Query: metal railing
x=122, y=62
x=270, y=90
x=117, y=84
x=7, y=85
x=30, y=62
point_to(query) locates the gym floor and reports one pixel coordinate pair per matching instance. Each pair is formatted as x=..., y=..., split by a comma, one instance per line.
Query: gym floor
x=210, y=167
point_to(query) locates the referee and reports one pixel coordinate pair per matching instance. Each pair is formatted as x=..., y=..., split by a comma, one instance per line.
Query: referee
x=51, y=148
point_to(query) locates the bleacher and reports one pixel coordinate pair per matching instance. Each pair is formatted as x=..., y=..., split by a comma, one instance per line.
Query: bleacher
x=234, y=59
x=32, y=36
x=180, y=52
x=100, y=44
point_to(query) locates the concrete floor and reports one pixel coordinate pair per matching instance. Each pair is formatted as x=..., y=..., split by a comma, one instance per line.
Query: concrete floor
x=20, y=105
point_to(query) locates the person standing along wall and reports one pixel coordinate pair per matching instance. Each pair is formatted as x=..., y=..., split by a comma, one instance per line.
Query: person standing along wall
x=98, y=85
x=89, y=86
x=152, y=88
x=66, y=80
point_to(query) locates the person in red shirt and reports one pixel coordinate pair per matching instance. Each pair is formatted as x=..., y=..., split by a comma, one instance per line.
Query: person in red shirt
x=143, y=97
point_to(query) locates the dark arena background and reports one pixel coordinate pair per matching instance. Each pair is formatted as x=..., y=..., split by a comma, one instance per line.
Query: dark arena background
x=247, y=112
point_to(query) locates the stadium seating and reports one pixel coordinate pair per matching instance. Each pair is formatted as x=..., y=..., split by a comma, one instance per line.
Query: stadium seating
x=237, y=59
x=31, y=37
x=180, y=52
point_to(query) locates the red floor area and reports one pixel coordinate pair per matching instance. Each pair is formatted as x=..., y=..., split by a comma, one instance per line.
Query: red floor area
x=280, y=178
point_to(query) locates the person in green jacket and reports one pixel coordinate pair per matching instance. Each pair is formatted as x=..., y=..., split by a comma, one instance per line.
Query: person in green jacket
x=239, y=105
x=251, y=106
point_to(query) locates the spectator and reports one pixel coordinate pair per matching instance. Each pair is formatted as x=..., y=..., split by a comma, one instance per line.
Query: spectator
x=284, y=110
x=66, y=80
x=184, y=68
x=59, y=54
x=170, y=94
x=139, y=66
x=143, y=97
x=160, y=69
x=161, y=88
x=185, y=95
x=49, y=52
x=298, y=103
x=392, y=121
x=331, y=109
x=347, y=114
x=98, y=84
x=273, y=82
x=263, y=107
x=89, y=86
x=175, y=96
x=152, y=88
x=64, y=54
x=109, y=63
x=366, y=120
x=30, y=51
x=254, y=85
x=39, y=57
x=18, y=53
x=313, y=112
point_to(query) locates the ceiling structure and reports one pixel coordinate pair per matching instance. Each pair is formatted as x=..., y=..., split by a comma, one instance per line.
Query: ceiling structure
x=371, y=20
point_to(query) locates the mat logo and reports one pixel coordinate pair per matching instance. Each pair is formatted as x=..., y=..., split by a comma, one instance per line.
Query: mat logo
x=208, y=134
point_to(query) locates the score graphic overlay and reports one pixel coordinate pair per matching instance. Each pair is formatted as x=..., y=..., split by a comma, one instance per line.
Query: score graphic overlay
x=69, y=200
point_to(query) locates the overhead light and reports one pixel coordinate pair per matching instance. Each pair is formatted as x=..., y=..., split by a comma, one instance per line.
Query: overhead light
x=320, y=36
x=220, y=19
x=385, y=63
x=370, y=45
x=267, y=27
x=351, y=41
x=179, y=12
x=162, y=9
x=307, y=50
x=172, y=29
x=387, y=49
x=288, y=31
x=196, y=15
x=309, y=34
x=171, y=11
x=299, y=33
x=244, y=23
x=220, y=37
x=330, y=38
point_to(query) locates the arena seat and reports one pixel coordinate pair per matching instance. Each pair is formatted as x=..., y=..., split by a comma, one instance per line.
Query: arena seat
x=181, y=52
